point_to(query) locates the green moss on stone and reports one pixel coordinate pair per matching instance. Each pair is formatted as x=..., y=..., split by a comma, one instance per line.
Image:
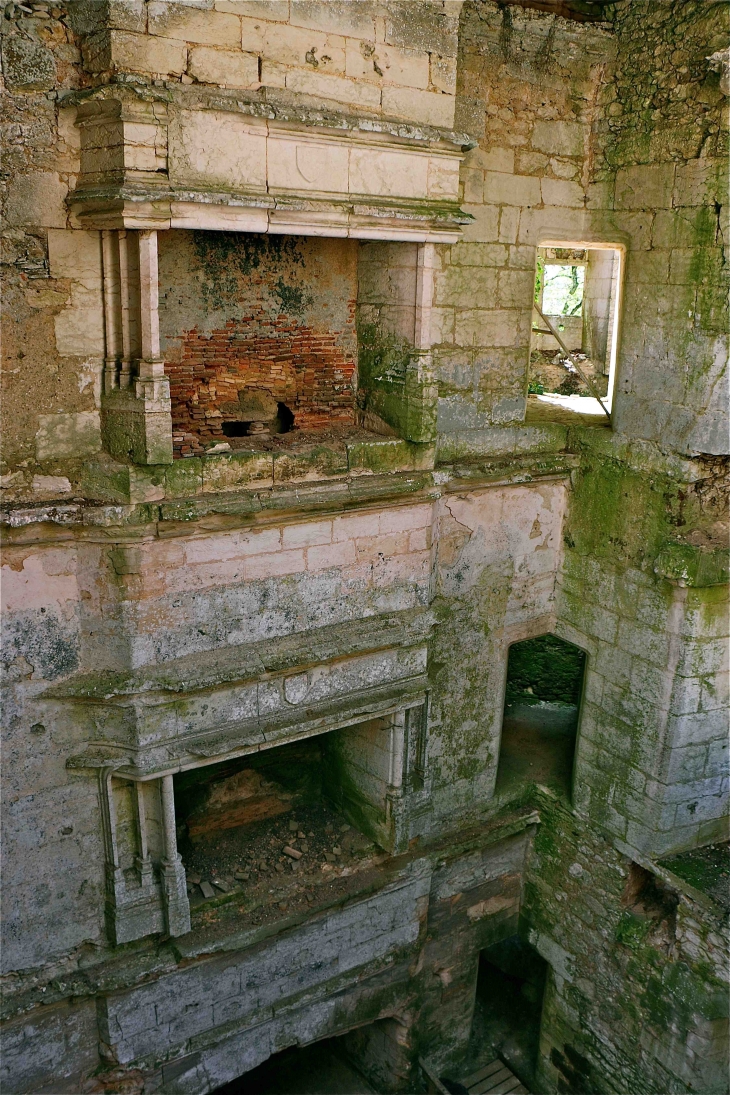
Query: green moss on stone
x=548, y=666
x=707, y=869
x=227, y=257
x=236, y=470
x=320, y=462
x=690, y=566
x=619, y=513
x=388, y=455
x=184, y=478
x=632, y=930
x=391, y=385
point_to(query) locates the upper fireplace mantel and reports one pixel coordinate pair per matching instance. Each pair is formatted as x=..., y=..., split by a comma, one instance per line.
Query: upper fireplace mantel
x=171, y=160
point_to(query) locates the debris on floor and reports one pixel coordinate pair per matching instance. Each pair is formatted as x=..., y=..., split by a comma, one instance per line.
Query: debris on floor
x=276, y=859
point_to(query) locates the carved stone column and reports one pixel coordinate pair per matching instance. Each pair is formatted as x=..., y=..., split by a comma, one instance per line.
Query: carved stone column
x=409, y=783
x=177, y=906
x=421, y=391
x=424, y=295
x=396, y=818
x=136, y=409
x=133, y=904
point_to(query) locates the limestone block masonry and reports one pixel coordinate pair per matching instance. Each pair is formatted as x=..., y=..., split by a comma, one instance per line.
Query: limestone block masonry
x=216, y=627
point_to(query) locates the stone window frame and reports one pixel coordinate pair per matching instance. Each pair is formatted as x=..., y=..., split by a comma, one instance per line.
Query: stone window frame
x=550, y=240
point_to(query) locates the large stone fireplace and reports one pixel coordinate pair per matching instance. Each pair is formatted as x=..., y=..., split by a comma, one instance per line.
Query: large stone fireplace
x=268, y=318
x=231, y=271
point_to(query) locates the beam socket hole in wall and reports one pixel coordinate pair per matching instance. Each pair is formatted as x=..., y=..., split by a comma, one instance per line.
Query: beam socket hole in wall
x=650, y=910
x=574, y=330
x=283, y=422
x=276, y=824
x=508, y=1007
x=541, y=710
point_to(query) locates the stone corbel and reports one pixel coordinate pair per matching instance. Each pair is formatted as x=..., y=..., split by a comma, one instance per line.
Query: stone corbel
x=136, y=407
x=123, y=138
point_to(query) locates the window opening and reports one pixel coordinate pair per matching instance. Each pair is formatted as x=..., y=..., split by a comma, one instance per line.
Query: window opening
x=574, y=331
x=562, y=294
x=507, y=1011
x=542, y=700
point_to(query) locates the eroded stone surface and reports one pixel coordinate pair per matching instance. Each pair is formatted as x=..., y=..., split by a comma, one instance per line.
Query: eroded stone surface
x=349, y=592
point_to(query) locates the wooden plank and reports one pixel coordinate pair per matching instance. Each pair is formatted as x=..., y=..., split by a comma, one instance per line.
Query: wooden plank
x=506, y=1087
x=571, y=358
x=482, y=1074
x=486, y=1086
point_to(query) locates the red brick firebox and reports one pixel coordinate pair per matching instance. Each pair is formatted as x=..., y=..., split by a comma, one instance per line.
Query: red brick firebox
x=304, y=369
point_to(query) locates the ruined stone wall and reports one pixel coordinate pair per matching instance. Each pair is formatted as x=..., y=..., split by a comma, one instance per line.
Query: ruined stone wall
x=659, y=172
x=152, y=587
x=53, y=327
x=73, y=607
x=576, y=146
x=345, y=59
x=498, y=555
x=637, y=998
x=391, y=60
x=653, y=747
x=527, y=84
x=656, y=694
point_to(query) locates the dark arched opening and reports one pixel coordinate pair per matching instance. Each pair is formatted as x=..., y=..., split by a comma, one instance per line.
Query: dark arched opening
x=542, y=702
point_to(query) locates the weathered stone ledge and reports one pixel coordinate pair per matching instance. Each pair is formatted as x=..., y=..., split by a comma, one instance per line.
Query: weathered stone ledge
x=250, y=660
x=108, y=481
x=117, y=968
x=238, y=508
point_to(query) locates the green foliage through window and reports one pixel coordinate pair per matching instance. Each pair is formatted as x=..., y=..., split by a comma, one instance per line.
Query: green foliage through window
x=563, y=290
